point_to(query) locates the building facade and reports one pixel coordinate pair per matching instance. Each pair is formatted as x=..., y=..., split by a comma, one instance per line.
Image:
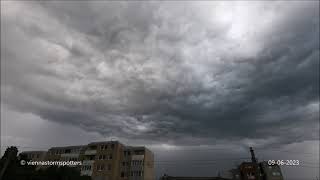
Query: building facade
x=34, y=155
x=67, y=153
x=107, y=160
x=250, y=171
x=166, y=177
x=271, y=172
x=102, y=160
x=137, y=163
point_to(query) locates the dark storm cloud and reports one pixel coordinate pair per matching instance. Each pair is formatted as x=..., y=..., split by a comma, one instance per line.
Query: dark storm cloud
x=166, y=72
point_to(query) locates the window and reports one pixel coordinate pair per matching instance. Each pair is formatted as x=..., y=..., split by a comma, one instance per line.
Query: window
x=122, y=174
x=112, y=146
x=109, y=167
x=136, y=173
x=110, y=156
x=123, y=163
x=100, y=167
x=85, y=168
x=276, y=174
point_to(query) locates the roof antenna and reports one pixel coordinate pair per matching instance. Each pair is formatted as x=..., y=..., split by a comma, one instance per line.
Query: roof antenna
x=253, y=157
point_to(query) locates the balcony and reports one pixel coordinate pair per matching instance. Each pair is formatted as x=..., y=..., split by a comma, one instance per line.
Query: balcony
x=87, y=162
x=86, y=172
x=137, y=157
x=73, y=155
x=90, y=152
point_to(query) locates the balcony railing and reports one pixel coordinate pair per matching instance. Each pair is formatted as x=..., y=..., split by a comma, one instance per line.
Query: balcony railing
x=90, y=152
x=73, y=155
x=87, y=162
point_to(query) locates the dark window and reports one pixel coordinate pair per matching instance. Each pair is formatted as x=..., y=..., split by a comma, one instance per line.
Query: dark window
x=122, y=174
x=100, y=167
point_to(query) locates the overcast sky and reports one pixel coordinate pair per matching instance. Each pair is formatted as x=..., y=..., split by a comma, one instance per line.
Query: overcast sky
x=189, y=80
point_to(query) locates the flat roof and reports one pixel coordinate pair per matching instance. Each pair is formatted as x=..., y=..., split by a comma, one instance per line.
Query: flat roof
x=25, y=152
x=68, y=147
x=103, y=142
x=194, y=178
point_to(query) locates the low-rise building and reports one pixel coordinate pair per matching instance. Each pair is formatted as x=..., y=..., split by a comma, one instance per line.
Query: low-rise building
x=67, y=153
x=102, y=159
x=271, y=172
x=137, y=163
x=107, y=160
x=166, y=177
x=34, y=155
x=250, y=171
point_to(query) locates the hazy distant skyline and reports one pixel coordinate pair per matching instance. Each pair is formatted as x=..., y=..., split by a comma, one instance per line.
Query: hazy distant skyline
x=173, y=76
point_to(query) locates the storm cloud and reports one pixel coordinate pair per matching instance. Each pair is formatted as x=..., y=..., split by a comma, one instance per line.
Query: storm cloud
x=185, y=74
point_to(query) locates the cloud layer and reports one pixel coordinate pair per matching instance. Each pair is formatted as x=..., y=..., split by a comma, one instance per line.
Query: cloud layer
x=183, y=74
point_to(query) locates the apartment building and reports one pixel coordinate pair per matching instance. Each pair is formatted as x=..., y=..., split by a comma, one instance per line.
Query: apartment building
x=137, y=164
x=101, y=160
x=34, y=155
x=166, y=177
x=107, y=160
x=114, y=161
x=67, y=153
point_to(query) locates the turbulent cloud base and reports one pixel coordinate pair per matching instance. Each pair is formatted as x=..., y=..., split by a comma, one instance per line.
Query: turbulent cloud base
x=176, y=74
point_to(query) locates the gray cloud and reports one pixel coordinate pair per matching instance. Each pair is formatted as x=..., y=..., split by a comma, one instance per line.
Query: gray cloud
x=165, y=72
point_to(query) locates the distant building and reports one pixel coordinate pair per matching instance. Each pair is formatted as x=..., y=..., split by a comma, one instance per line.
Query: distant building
x=256, y=171
x=235, y=173
x=270, y=172
x=250, y=171
x=166, y=177
x=34, y=155
x=108, y=160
